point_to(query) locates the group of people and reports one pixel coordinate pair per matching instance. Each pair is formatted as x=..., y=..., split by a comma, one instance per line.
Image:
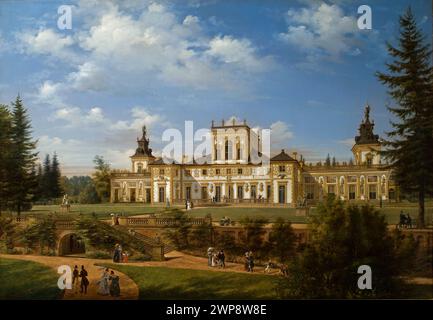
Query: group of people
x=119, y=255
x=405, y=220
x=188, y=205
x=109, y=284
x=216, y=258
x=249, y=261
x=83, y=283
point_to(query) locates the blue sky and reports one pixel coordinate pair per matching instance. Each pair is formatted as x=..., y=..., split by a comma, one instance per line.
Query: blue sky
x=301, y=68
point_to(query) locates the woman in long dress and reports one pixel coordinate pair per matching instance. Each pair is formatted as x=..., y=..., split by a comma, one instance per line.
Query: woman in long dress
x=104, y=288
x=114, y=285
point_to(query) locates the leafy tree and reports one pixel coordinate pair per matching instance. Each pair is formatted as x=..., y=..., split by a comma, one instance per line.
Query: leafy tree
x=201, y=236
x=410, y=82
x=5, y=154
x=180, y=232
x=282, y=240
x=101, y=178
x=228, y=243
x=89, y=194
x=253, y=232
x=7, y=232
x=46, y=234
x=21, y=179
x=342, y=239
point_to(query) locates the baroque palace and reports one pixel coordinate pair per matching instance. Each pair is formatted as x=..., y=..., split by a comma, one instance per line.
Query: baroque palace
x=233, y=178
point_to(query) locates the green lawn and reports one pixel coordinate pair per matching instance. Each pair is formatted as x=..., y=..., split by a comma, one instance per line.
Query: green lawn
x=27, y=280
x=392, y=213
x=103, y=211
x=169, y=283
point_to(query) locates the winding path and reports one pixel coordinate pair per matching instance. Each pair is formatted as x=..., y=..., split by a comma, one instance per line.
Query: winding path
x=128, y=289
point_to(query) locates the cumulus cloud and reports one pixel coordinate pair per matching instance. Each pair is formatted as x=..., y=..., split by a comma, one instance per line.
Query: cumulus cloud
x=280, y=134
x=320, y=31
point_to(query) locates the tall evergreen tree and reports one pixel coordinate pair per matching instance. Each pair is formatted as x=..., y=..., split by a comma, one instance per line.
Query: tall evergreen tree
x=55, y=175
x=23, y=153
x=46, y=178
x=328, y=161
x=5, y=153
x=410, y=79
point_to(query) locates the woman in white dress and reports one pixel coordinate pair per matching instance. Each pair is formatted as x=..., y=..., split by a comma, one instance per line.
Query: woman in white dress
x=104, y=287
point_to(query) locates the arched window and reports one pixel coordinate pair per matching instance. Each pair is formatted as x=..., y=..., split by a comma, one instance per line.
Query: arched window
x=139, y=168
x=228, y=150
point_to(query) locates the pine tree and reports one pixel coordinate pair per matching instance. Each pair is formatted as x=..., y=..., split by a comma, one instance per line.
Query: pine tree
x=328, y=161
x=409, y=146
x=334, y=162
x=5, y=154
x=23, y=153
x=46, y=179
x=55, y=175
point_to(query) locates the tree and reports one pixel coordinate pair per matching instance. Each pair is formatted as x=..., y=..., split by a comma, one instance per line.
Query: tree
x=180, y=232
x=328, y=161
x=342, y=239
x=334, y=162
x=89, y=194
x=45, y=179
x=101, y=178
x=410, y=81
x=54, y=178
x=21, y=179
x=252, y=238
x=201, y=236
x=5, y=154
x=282, y=240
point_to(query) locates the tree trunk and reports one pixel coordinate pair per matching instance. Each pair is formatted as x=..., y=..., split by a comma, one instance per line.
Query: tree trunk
x=421, y=209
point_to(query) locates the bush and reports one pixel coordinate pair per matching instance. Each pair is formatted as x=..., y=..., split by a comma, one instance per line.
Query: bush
x=98, y=255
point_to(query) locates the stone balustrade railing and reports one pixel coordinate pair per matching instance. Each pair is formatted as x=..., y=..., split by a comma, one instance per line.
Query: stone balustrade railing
x=159, y=222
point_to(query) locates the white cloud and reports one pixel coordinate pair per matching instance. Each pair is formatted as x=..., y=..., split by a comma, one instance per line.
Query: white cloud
x=320, y=30
x=46, y=42
x=122, y=50
x=280, y=134
x=237, y=51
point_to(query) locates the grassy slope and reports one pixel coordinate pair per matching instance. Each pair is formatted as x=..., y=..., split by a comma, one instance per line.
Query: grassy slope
x=169, y=283
x=235, y=213
x=26, y=280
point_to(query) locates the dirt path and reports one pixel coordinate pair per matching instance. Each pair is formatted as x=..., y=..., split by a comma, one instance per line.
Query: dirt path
x=128, y=288
x=176, y=259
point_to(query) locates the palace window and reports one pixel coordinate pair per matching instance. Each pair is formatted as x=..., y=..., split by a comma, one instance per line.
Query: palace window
x=372, y=192
x=352, y=192
x=309, y=180
x=204, y=193
x=253, y=192
x=161, y=171
x=331, y=189
x=139, y=168
x=204, y=172
x=351, y=179
x=229, y=171
x=309, y=191
x=331, y=179
x=240, y=171
x=217, y=171
x=188, y=173
x=372, y=179
x=282, y=168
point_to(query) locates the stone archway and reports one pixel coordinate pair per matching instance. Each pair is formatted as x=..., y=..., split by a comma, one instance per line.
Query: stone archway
x=70, y=243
